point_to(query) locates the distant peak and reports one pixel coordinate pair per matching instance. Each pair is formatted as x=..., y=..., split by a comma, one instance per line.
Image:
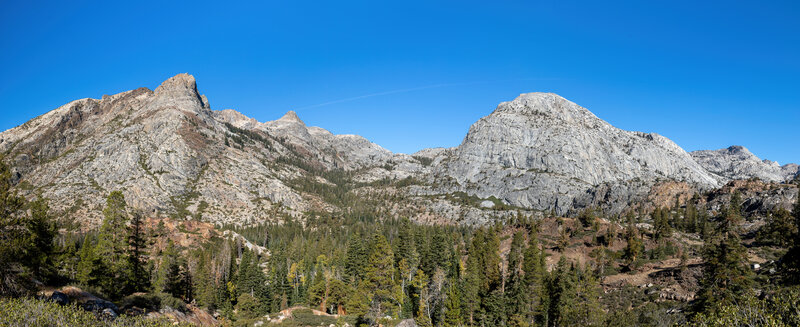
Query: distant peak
x=737, y=149
x=291, y=116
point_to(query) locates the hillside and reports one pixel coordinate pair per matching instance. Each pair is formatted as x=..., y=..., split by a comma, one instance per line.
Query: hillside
x=173, y=156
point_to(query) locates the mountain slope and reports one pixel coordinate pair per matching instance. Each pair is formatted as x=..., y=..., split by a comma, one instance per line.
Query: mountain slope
x=542, y=151
x=172, y=155
x=164, y=149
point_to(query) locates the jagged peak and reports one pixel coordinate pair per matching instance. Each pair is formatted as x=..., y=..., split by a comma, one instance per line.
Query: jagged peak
x=291, y=116
x=178, y=82
x=234, y=117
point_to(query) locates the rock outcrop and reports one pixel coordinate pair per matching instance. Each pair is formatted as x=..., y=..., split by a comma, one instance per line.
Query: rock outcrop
x=544, y=152
x=172, y=155
x=737, y=163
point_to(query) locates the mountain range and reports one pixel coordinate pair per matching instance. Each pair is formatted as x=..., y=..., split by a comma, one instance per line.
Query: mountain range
x=171, y=154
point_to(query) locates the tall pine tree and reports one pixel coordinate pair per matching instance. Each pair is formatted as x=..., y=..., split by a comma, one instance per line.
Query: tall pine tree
x=726, y=275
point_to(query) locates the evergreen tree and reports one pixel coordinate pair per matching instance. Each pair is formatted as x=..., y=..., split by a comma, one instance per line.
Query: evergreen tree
x=587, y=217
x=405, y=243
x=580, y=306
x=40, y=232
x=379, y=277
x=790, y=262
x=137, y=279
x=355, y=262
x=633, y=246
x=534, y=280
x=473, y=278
x=662, y=229
x=441, y=251
x=779, y=230
x=452, y=313
x=515, y=289
x=726, y=275
x=691, y=215
x=90, y=267
x=25, y=238
x=112, y=244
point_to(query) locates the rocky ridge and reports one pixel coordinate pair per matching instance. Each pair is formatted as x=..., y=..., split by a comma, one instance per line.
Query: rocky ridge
x=544, y=152
x=172, y=155
x=737, y=162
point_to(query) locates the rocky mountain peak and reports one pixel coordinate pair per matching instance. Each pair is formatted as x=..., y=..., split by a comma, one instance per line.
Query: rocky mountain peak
x=737, y=162
x=738, y=149
x=550, y=106
x=291, y=116
x=182, y=88
x=178, y=83
x=542, y=151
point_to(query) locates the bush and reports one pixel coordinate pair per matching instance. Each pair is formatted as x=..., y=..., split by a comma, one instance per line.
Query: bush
x=779, y=309
x=172, y=302
x=145, y=301
x=31, y=312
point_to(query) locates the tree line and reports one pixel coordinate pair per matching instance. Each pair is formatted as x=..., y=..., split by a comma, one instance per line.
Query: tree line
x=380, y=270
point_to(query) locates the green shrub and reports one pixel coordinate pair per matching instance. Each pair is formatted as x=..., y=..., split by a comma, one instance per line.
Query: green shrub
x=31, y=312
x=146, y=301
x=172, y=302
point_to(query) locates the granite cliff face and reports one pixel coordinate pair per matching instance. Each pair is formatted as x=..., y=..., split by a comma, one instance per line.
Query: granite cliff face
x=544, y=152
x=165, y=149
x=172, y=155
x=736, y=163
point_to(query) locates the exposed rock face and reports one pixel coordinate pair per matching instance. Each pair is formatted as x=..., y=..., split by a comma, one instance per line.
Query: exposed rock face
x=172, y=155
x=736, y=162
x=330, y=151
x=165, y=150
x=541, y=151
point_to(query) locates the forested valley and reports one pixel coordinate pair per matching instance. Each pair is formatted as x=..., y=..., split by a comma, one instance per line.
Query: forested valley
x=359, y=268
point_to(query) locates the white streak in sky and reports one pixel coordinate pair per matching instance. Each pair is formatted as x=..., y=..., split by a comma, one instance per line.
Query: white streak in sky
x=434, y=86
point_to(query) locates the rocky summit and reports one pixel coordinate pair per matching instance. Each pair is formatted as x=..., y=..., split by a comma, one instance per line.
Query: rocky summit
x=544, y=152
x=172, y=155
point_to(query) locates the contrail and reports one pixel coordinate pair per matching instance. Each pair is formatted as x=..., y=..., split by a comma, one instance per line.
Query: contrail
x=411, y=89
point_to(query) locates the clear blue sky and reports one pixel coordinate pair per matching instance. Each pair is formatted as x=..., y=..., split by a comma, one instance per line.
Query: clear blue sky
x=707, y=75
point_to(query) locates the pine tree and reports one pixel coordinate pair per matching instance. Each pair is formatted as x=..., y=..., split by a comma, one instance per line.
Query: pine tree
x=661, y=224
x=473, y=278
x=405, y=243
x=579, y=301
x=112, y=244
x=441, y=251
x=379, y=277
x=633, y=247
x=25, y=239
x=534, y=280
x=726, y=275
x=790, y=262
x=779, y=230
x=515, y=289
x=39, y=238
x=137, y=279
x=452, y=313
x=691, y=215
x=90, y=266
x=421, y=295
x=355, y=262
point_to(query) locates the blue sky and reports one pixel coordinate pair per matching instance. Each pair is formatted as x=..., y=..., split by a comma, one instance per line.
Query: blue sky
x=707, y=75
